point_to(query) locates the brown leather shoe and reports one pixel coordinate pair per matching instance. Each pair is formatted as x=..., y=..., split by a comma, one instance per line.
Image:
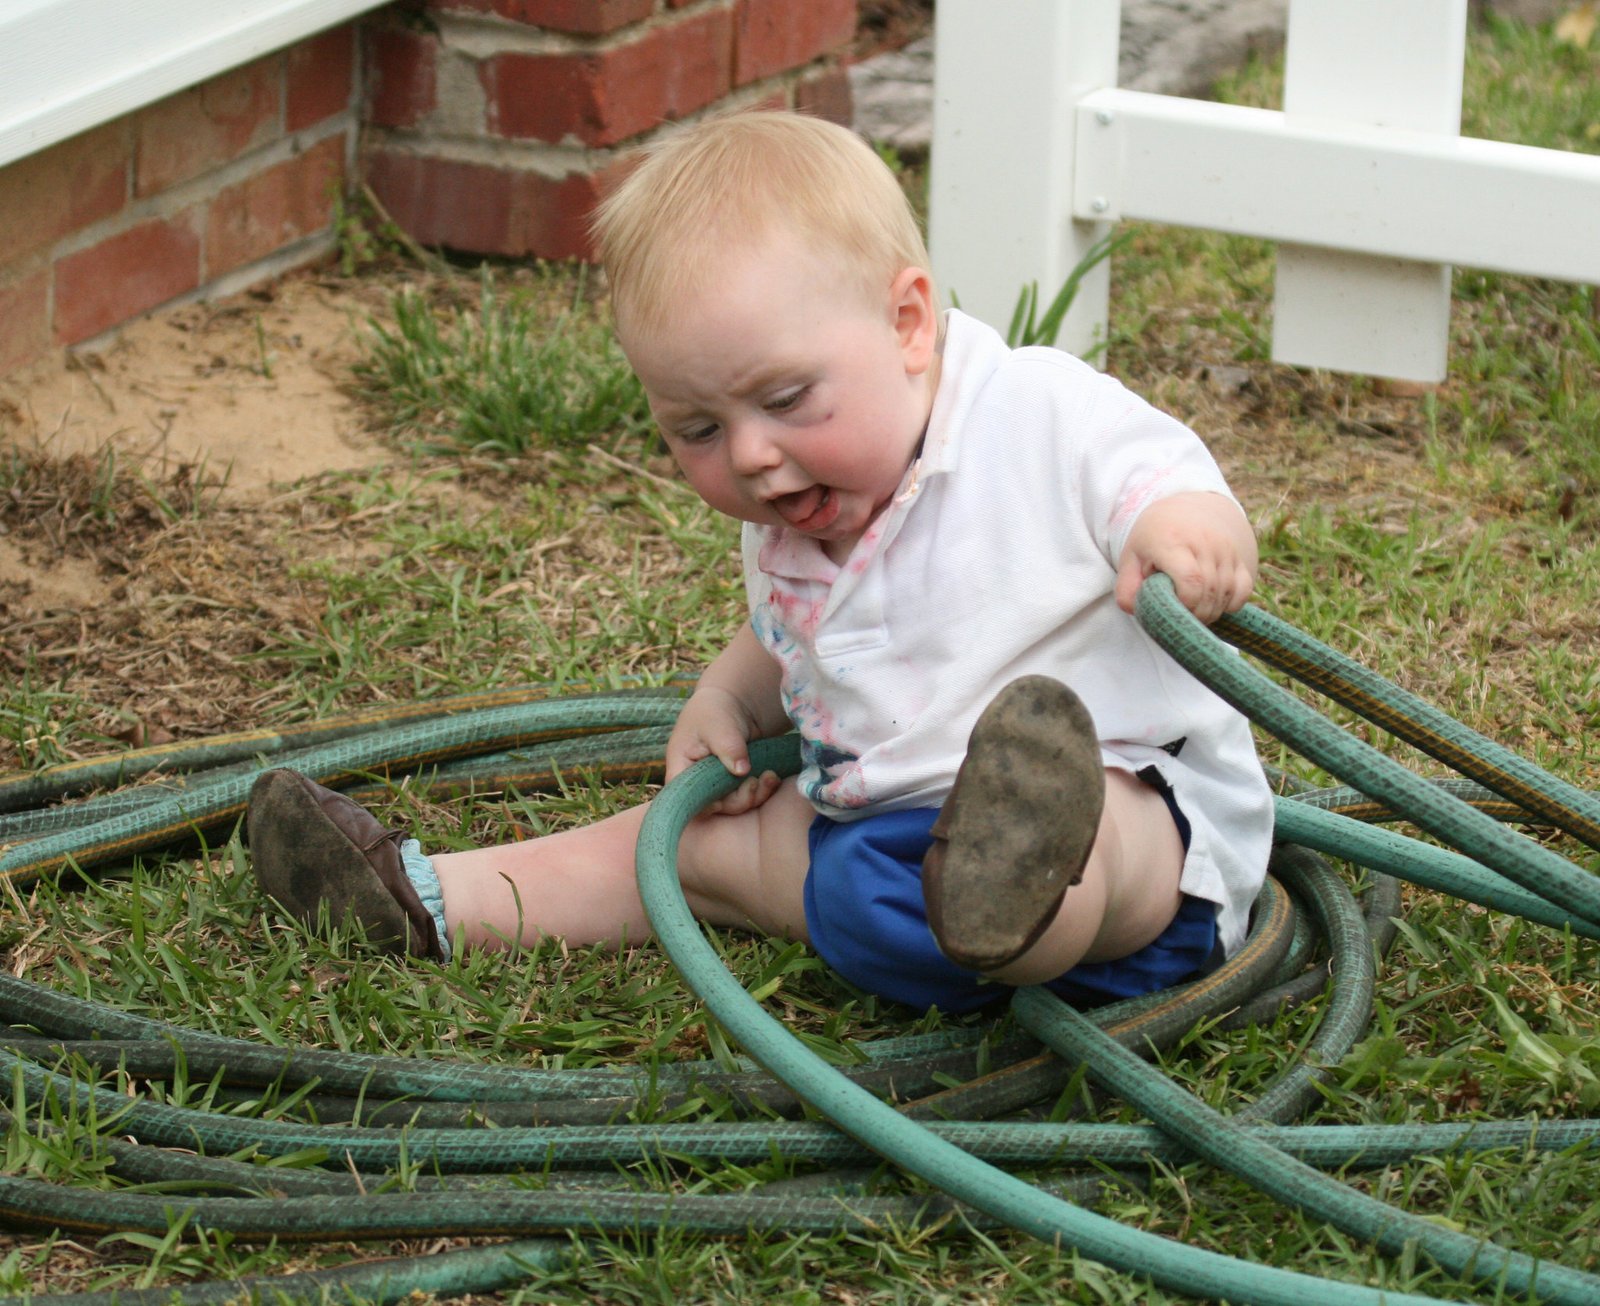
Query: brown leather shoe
x=1017, y=828
x=312, y=846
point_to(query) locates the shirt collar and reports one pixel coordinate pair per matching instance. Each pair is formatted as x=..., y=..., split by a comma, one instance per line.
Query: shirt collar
x=787, y=553
x=971, y=353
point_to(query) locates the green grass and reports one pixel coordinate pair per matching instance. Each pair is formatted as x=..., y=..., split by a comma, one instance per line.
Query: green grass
x=1447, y=540
x=570, y=581
x=501, y=374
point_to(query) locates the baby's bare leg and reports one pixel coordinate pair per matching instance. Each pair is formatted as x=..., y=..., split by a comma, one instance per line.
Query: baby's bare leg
x=1129, y=892
x=745, y=871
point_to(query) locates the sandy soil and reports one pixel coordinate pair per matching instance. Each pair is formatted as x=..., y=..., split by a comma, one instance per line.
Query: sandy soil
x=247, y=394
x=160, y=499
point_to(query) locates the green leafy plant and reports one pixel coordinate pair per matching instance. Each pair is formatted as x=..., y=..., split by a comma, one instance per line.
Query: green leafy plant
x=1028, y=326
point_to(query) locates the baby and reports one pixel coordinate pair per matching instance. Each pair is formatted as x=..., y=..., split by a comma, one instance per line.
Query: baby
x=943, y=540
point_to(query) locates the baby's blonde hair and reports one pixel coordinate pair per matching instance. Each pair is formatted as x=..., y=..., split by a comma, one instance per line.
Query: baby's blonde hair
x=728, y=183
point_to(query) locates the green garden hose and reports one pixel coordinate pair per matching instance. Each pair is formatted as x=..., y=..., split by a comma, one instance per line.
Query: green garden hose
x=557, y=1127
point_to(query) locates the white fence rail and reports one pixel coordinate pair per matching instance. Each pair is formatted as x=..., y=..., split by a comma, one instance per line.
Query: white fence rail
x=1362, y=178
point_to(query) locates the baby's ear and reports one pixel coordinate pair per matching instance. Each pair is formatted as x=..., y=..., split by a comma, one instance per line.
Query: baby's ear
x=915, y=317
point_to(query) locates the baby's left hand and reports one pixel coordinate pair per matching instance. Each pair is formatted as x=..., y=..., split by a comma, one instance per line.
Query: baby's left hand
x=1203, y=542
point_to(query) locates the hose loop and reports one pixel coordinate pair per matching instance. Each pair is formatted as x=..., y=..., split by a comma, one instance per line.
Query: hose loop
x=1310, y=938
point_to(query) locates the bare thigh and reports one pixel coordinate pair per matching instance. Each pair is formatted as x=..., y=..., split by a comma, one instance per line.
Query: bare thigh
x=1129, y=892
x=749, y=871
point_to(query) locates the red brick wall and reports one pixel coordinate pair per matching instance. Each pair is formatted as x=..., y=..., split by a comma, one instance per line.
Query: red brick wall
x=496, y=126
x=487, y=126
x=221, y=184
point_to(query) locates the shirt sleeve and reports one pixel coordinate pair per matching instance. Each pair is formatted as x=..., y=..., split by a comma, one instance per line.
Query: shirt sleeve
x=1131, y=455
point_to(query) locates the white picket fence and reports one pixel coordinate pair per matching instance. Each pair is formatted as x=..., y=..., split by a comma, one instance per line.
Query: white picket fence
x=1363, y=178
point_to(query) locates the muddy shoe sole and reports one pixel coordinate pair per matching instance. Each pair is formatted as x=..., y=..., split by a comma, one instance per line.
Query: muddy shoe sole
x=1018, y=826
x=314, y=850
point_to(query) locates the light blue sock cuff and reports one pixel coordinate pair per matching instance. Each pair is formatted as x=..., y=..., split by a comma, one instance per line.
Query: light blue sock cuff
x=425, y=880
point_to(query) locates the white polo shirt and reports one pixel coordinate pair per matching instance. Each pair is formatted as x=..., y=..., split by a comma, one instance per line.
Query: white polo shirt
x=997, y=559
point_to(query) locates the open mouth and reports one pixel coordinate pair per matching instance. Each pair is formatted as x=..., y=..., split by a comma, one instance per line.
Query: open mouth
x=811, y=509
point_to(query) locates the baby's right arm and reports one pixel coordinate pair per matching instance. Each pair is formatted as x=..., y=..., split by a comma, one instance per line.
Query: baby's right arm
x=737, y=700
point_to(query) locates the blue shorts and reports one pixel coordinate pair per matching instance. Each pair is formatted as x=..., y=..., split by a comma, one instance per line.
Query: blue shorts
x=863, y=896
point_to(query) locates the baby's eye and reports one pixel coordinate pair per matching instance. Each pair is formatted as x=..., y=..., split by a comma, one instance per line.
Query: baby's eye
x=782, y=403
x=698, y=434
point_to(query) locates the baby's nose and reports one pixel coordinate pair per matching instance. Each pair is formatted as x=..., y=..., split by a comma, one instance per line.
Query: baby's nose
x=751, y=451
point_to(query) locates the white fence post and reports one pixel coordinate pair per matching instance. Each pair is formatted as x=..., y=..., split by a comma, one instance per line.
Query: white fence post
x=1000, y=187
x=1363, y=180
x=1380, y=64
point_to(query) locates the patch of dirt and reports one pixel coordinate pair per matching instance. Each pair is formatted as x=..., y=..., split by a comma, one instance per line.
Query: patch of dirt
x=249, y=392
x=159, y=494
x=233, y=401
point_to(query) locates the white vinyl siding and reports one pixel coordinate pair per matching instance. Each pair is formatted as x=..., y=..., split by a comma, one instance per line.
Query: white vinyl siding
x=68, y=65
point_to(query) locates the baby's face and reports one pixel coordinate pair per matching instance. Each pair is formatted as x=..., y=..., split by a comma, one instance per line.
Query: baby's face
x=788, y=398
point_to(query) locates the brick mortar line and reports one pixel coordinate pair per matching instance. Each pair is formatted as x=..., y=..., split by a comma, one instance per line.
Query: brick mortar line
x=308, y=249
x=173, y=202
x=483, y=36
x=554, y=162
x=741, y=97
x=557, y=161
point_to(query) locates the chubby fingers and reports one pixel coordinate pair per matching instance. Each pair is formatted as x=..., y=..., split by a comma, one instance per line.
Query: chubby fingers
x=722, y=740
x=1208, y=587
x=1216, y=594
x=1208, y=591
x=754, y=791
x=680, y=760
x=1129, y=577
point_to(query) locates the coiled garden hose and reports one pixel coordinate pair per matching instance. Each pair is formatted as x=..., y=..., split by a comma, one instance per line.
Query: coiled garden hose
x=556, y=1127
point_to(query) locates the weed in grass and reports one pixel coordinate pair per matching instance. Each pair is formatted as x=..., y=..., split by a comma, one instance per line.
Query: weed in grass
x=366, y=237
x=34, y=718
x=1030, y=327
x=22, y=1267
x=87, y=501
x=188, y=1252
x=32, y=1146
x=496, y=377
